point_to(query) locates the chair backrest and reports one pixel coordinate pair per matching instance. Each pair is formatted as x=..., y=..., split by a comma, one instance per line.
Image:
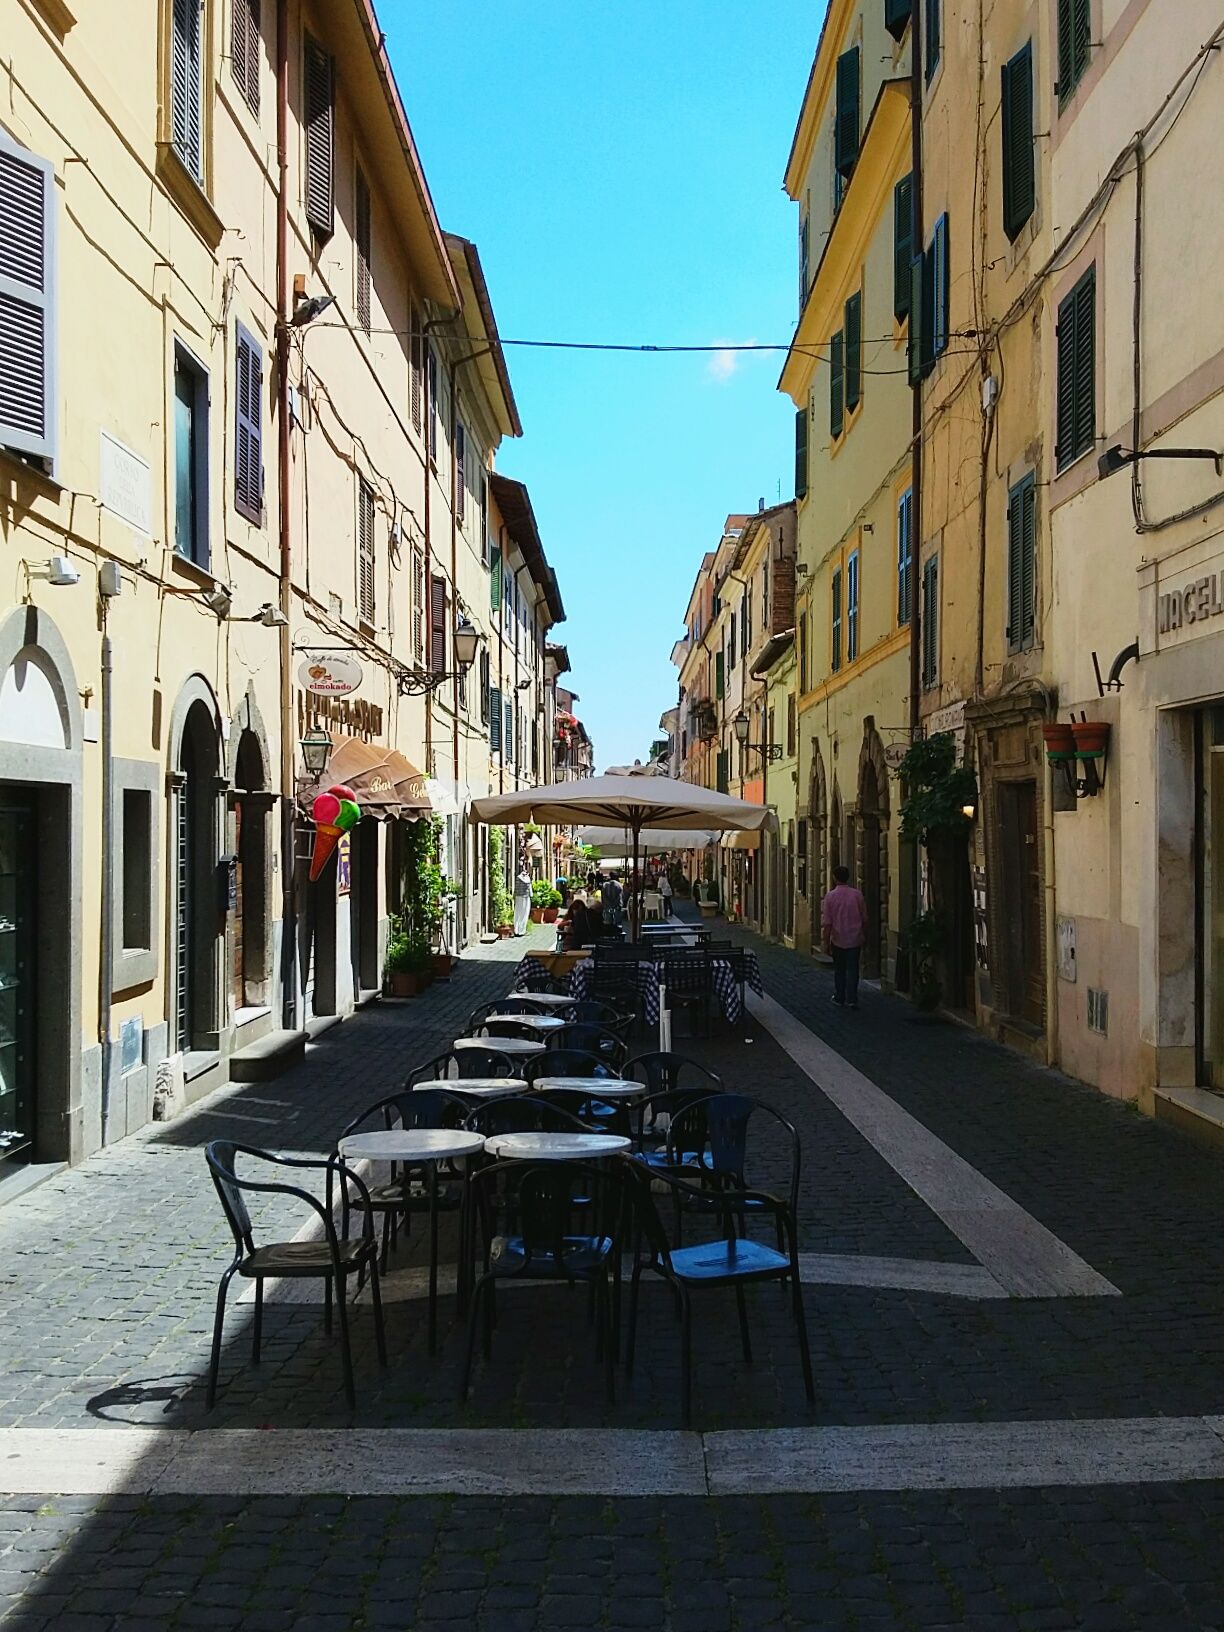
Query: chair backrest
x=412, y=1108
x=566, y=1062
x=221, y=1155
x=589, y=1008
x=590, y=1038
x=510, y=1028
x=463, y=1062
x=717, y=1130
x=524, y=1113
x=539, y=1197
x=685, y=971
x=477, y=1017
x=662, y=1072
x=579, y=1104
x=516, y=1005
x=671, y=1107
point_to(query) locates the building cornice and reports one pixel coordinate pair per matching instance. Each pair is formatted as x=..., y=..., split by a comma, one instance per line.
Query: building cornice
x=816, y=93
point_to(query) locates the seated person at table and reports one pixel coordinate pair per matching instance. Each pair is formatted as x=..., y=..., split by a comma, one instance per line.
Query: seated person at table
x=580, y=926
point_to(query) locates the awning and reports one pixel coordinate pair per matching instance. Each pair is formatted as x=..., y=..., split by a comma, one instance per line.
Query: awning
x=386, y=784
x=772, y=651
x=741, y=841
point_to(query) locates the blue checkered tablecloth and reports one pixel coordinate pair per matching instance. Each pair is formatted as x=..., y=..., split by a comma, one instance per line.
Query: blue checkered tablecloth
x=725, y=981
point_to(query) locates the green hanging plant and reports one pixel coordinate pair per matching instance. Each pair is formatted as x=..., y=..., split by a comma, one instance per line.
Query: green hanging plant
x=501, y=903
x=938, y=789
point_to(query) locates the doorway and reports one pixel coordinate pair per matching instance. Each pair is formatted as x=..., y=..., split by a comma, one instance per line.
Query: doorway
x=250, y=973
x=1021, y=870
x=363, y=906
x=19, y=850
x=1209, y=858
x=197, y=918
x=869, y=831
x=952, y=892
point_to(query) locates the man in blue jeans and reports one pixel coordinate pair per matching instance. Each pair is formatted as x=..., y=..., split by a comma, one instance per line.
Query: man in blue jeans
x=843, y=924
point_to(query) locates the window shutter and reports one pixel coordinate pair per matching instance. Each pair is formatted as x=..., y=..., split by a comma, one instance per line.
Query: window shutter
x=905, y=541
x=484, y=687
x=495, y=581
x=835, y=660
x=805, y=259
x=930, y=622
x=854, y=351
x=1074, y=44
x=363, y=251
x=185, y=75
x=1028, y=575
x=437, y=625
x=897, y=16
x=837, y=383
x=28, y=408
x=801, y=453
x=1021, y=564
x=903, y=245
x=365, y=551
x=1076, y=430
x=939, y=288
x=508, y=732
x=248, y=428
x=918, y=320
x=846, y=128
x=852, y=607
x=460, y=470
x=933, y=41
x=431, y=391
x=1019, y=165
x=495, y=719
x=416, y=342
x=418, y=605
x=320, y=139
x=245, y=42
x=719, y=674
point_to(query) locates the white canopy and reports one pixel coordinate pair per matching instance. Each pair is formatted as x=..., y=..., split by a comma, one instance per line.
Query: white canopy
x=618, y=841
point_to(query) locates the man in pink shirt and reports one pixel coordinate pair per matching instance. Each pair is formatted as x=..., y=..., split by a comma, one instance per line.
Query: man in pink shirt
x=843, y=924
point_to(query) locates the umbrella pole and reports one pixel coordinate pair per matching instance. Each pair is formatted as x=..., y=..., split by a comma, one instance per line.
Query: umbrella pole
x=635, y=913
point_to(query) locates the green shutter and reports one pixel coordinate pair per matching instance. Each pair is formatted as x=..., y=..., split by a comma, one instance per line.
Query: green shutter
x=940, y=304
x=801, y=454
x=854, y=351
x=1074, y=44
x=903, y=245
x=835, y=640
x=495, y=581
x=1019, y=165
x=847, y=122
x=1076, y=384
x=837, y=383
x=719, y=674
x=917, y=319
x=1021, y=564
x=495, y=719
x=930, y=622
x=897, y=16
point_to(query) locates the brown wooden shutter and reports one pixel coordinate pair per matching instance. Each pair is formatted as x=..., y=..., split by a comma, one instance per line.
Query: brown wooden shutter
x=363, y=251
x=437, y=625
x=245, y=42
x=416, y=343
x=320, y=121
x=365, y=552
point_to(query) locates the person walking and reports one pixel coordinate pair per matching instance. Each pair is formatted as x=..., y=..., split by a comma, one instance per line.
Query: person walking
x=843, y=924
x=522, y=899
x=665, y=890
x=611, y=898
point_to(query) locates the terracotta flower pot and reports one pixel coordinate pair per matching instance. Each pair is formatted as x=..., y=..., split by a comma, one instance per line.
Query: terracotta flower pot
x=443, y=963
x=403, y=983
x=1091, y=738
x=504, y=931
x=550, y=915
x=1059, y=741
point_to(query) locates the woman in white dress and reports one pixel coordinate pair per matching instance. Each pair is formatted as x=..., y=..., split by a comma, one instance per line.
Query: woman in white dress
x=522, y=900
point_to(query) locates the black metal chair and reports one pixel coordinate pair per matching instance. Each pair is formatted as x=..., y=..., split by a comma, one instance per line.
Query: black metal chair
x=590, y=1038
x=672, y=1082
x=709, y=1140
x=458, y=1063
x=690, y=986
x=596, y=1114
x=735, y=1260
x=589, y=1009
x=565, y=1062
x=539, y=1243
x=524, y=1113
x=331, y=1258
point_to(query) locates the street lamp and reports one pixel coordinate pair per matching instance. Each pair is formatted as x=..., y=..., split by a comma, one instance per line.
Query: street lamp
x=316, y=749
x=467, y=639
x=417, y=681
x=768, y=750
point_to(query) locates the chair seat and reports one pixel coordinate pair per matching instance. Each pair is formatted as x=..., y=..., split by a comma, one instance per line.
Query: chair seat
x=303, y=1257
x=397, y=1196
x=580, y=1255
x=727, y=1261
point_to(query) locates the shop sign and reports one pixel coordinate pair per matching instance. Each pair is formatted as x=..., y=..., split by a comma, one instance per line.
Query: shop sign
x=1196, y=602
x=353, y=717
x=329, y=674
x=950, y=719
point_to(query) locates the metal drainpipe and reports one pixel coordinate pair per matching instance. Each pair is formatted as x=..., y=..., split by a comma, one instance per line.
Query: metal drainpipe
x=106, y=958
x=915, y=609
x=289, y=995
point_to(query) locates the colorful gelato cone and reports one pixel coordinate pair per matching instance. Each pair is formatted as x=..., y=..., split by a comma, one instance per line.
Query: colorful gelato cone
x=327, y=837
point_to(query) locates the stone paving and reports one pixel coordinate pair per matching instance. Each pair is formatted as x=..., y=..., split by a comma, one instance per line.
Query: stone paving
x=109, y=1273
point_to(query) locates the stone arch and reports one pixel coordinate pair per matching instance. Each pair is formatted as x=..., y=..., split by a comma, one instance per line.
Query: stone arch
x=195, y=689
x=248, y=721
x=873, y=771
x=818, y=826
x=29, y=640
x=197, y=783
x=871, y=845
x=250, y=842
x=835, y=826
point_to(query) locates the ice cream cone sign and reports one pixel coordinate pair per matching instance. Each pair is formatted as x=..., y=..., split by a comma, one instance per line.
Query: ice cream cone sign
x=335, y=812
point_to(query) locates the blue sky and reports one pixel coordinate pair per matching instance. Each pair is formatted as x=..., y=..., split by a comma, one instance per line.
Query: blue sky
x=620, y=168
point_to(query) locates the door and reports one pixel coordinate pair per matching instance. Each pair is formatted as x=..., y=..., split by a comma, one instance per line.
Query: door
x=1022, y=895
x=18, y=973
x=952, y=888
x=1211, y=895
x=239, y=983
x=869, y=841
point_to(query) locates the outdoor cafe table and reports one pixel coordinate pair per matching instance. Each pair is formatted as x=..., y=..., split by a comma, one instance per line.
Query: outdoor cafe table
x=605, y=1088
x=646, y=972
x=500, y=1045
x=546, y=1000
x=478, y=1087
x=424, y=1147
x=555, y=1147
x=538, y=1022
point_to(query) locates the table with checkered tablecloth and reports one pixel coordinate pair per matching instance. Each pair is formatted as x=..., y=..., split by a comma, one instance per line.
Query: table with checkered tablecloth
x=726, y=984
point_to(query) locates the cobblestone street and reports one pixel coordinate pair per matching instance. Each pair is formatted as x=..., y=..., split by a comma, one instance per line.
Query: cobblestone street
x=1029, y=1481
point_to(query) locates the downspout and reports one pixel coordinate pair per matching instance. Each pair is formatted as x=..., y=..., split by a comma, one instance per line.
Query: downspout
x=288, y=804
x=106, y=959
x=915, y=608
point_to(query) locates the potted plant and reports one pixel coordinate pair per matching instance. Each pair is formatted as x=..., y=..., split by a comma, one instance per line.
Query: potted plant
x=1059, y=741
x=406, y=966
x=1091, y=738
x=501, y=904
x=552, y=906
x=543, y=895
x=925, y=937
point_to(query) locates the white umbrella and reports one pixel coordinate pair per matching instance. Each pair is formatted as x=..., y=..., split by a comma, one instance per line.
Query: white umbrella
x=616, y=841
x=651, y=802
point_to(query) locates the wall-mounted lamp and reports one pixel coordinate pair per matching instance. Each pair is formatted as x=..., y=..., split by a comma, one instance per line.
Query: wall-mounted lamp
x=1117, y=458
x=768, y=750
x=305, y=309
x=271, y=617
x=467, y=640
x=969, y=810
x=316, y=749
x=416, y=682
x=59, y=570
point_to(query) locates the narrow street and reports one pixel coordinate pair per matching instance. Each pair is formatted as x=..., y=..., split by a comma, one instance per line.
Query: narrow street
x=1017, y=1349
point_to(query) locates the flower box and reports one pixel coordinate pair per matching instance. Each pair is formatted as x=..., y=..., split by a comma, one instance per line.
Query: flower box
x=1091, y=738
x=1059, y=742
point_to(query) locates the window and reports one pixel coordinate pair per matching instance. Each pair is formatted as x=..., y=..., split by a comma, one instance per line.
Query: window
x=460, y=472
x=803, y=652
x=1076, y=336
x=746, y=622
x=495, y=581
x=320, y=122
x=835, y=642
x=1021, y=564
x=418, y=604
x=848, y=116
x=190, y=458
x=365, y=551
x=484, y=685
x=905, y=554
x=495, y=719
x=248, y=427
x=801, y=453
x=790, y=725
x=137, y=841
x=416, y=348
x=362, y=250
x=437, y=625
x=933, y=42
x=939, y=287
x=852, y=607
x=837, y=384
x=897, y=16
x=1074, y=45
x=731, y=653
x=1019, y=164
x=854, y=351
x=805, y=259
x=486, y=543
x=929, y=317
x=930, y=623
x=903, y=245
x=724, y=769
x=245, y=44
x=508, y=733
x=719, y=675
x=187, y=84
x=431, y=390
x=28, y=408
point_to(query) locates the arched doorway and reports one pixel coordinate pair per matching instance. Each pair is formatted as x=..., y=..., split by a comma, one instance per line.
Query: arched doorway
x=197, y=919
x=872, y=846
x=250, y=984
x=818, y=827
x=835, y=828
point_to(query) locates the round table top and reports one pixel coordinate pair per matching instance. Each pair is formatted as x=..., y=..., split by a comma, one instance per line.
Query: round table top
x=605, y=1088
x=479, y=1087
x=500, y=1045
x=555, y=1147
x=545, y=1000
x=412, y=1144
x=538, y=1022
